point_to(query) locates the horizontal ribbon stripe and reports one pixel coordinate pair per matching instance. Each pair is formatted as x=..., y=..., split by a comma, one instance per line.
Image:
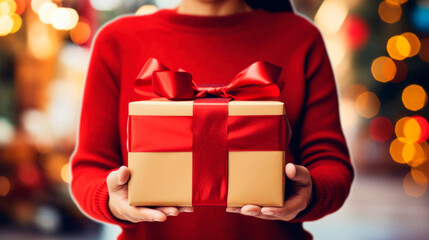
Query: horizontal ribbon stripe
x=174, y=133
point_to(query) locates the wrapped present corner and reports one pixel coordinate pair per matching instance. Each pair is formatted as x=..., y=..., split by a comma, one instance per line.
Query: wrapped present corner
x=193, y=149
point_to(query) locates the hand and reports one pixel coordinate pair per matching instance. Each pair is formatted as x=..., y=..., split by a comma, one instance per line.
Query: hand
x=118, y=201
x=302, y=195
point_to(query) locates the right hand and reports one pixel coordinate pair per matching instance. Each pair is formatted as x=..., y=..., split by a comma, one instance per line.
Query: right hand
x=118, y=201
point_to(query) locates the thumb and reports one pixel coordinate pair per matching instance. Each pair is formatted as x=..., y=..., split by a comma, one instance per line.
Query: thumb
x=297, y=173
x=116, y=179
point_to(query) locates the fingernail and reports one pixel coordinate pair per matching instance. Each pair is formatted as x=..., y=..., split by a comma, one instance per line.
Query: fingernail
x=268, y=213
x=249, y=213
x=158, y=220
x=171, y=214
x=186, y=210
x=233, y=210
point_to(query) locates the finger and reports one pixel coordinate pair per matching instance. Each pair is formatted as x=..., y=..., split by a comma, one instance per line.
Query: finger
x=233, y=209
x=262, y=216
x=112, y=181
x=251, y=210
x=297, y=173
x=140, y=214
x=169, y=211
x=123, y=175
x=186, y=209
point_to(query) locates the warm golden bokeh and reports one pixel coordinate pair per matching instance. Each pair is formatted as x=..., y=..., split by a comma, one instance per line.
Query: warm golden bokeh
x=367, y=104
x=397, y=1
x=383, y=69
x=389, y=11
x=81, y=33
x=412, y=188
x=65, y=172
x=4, y=186
x=414, y=43
x=419, y=177
x=398, y=47
x=7, y=7
x=396, y=148
x=399, y=128
x=414, y=97
x=412, y=130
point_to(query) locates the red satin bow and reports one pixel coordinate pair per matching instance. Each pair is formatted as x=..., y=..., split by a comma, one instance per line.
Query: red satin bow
x=256, y=82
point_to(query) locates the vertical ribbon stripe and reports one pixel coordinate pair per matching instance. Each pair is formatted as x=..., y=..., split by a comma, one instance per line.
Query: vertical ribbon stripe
x=210, y=152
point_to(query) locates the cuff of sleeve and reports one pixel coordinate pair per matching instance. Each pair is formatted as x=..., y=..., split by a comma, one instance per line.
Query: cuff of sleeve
x=319, y=199
x=101, y=200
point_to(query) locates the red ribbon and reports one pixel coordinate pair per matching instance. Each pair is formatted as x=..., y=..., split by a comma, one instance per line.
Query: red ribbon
x=256, y=82
x=209, y=126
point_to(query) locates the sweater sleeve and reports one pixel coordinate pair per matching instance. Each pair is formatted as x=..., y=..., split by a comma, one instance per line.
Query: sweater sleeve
x=319, y=142
x=97, y=151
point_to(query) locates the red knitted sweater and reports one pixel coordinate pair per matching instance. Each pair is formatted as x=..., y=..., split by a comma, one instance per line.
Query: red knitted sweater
x=213, y=49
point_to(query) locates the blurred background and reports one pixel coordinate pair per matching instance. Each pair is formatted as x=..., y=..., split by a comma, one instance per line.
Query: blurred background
x=378, y=49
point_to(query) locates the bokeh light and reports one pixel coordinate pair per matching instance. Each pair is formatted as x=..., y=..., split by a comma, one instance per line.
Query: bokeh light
x=17, y=23
x=46, y=11
x=414, y=97
x=415, y=154
x=36, y=4
x=65, y=173
x=146, y=9
x=424, y=127
x=6, y=25
x=381, y=129
x=412, y=188
x=395, y=150
x=367, y=104
x=330, y=23
x=81, y=33
x=424, y=50
x=414, y=43
x=412, y=130
x=7, y=131
x=64, y=18
x=419, y=177
x=357, y=31
x=105, y=5
x=383, y=69
x=5, y=186
x=420, y=16
x=7, y=7
x=399, y=128
x=398, y=47
x=389, y=11
x=20, y=6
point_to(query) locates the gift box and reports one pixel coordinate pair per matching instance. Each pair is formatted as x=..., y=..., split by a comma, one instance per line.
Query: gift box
x=161, y=157
x=206, y=150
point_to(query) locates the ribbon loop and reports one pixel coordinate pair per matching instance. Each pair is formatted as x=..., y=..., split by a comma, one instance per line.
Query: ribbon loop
x=256, y=82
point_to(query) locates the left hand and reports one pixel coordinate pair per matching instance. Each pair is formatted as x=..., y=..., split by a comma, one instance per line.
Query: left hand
x=298, y=201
